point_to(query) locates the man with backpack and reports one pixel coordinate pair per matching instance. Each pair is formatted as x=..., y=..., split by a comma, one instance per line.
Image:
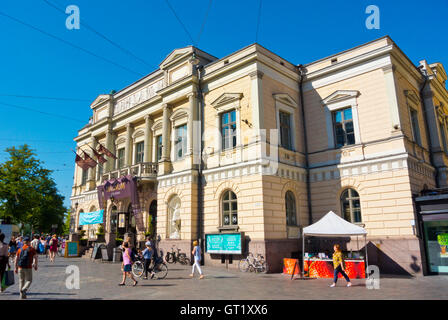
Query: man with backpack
x=26, y=259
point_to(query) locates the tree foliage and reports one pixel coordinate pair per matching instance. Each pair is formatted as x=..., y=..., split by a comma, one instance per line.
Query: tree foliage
x=28, y=193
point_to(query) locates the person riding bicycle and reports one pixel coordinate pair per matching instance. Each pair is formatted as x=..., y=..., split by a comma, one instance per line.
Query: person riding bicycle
x=147, y=255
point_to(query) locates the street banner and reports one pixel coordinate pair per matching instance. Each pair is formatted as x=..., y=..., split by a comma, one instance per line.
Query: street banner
x=121, y=188
x=94, y=217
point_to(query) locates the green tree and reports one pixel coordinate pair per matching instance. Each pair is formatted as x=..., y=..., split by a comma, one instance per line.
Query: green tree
x=28, y=194
x=67, y=221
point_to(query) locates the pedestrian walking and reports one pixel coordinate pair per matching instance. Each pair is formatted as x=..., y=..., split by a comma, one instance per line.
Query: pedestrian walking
x=197, y=259
x=53, y=247
x=42, y=245
x=4, y=258
x=126, y=265
x=147, y=255
x=19, y=242
x=35, y=242
x=12, y=247
x=26, y=259
x=338, y=264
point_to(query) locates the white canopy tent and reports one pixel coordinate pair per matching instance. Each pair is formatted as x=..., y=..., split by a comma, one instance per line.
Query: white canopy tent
x=332, y=225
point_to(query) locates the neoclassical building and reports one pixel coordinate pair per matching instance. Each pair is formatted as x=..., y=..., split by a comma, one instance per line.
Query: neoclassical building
x=256, y=144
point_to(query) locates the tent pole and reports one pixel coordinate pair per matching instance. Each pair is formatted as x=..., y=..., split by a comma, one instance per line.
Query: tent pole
x=303, y=254
x=365, y=246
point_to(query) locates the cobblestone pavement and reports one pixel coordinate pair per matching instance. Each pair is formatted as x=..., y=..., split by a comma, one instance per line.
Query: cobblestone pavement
x=100, y=281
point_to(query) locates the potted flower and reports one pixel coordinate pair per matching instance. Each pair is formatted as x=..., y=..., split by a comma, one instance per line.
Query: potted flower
x=100, y=234
x=82, y=238
x=118, y=241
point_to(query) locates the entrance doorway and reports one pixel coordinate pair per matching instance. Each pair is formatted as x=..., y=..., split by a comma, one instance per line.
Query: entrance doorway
x=152, y=221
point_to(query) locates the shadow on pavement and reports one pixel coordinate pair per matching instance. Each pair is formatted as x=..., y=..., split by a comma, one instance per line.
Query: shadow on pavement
x=156, y=285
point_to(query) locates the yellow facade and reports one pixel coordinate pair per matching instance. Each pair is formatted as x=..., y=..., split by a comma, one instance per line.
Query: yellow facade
x=385, y=159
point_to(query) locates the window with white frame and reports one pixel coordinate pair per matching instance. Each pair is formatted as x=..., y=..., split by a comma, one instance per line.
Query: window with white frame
x=228, y=120
x=229, y=209
x=120, y=158
x=285, y=113
x=159, y=146
x=179, y=136
x=341, y=117
x=228, y=129
x=285, y=130
x=344, y=133
x=139, y=151
x=351, y=206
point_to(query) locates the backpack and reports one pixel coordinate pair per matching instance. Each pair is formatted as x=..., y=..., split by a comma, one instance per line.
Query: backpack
x=24, y=258
x=41, y=248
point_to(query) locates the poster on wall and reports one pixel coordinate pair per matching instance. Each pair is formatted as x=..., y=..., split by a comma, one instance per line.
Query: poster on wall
x=224, y=243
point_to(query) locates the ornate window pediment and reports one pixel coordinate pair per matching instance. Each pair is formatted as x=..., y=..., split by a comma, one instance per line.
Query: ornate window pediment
x=412, y=96
x=225, y=99
x=340, y=95
x=285, y=99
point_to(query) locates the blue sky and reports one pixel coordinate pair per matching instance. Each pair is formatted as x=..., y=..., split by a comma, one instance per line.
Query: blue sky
x=33, y=64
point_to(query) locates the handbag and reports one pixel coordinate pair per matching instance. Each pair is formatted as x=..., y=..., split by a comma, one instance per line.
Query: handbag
x=8, y=278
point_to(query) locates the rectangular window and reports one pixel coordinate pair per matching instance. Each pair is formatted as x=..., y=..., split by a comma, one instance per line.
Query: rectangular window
x=159, y=147
x=180, y=145
x=415, y=127
x=443, y=135
x=100, y=171
x=84, y=176
x=228, y=130
x=285, y=130
x=139, y=151
x=343, y=127
x=120, y=160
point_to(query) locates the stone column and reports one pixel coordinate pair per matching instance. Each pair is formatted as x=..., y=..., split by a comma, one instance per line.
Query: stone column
x=192, y=116
x=257, y=101
x=128, y=149
x=147, y=156
x=164, y=164
x=92, y=171
x=389, y=77
x=110, y=145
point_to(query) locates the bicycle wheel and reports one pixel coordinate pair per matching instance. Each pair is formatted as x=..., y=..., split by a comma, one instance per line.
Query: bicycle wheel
x=170, y=257
x=138, y=268
x=160, y=270
x=187, y=262
x=243, y=265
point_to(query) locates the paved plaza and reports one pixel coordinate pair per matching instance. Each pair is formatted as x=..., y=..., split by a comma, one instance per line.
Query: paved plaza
x=100, y=281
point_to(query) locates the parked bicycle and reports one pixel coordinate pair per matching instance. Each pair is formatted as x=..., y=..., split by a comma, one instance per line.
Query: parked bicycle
x=159, y=267
x=173, y=257
x=253, y=264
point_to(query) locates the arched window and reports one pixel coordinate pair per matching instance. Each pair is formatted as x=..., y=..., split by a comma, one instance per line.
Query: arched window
x=174, y=219
x=229, y=209
x=351, y=206
x=291, y=215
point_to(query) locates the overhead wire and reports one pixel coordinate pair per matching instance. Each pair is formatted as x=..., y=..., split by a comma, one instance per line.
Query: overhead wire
x=69, y=43
x=101, y=35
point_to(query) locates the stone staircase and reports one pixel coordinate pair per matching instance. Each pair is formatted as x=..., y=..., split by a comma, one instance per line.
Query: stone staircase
x=87, y=253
